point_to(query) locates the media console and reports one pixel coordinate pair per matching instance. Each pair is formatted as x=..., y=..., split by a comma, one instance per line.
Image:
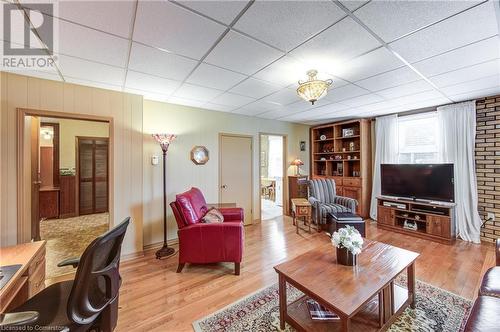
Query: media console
x=430, y=220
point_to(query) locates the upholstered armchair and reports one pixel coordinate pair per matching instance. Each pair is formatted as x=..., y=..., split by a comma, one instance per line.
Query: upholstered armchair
x=203, y=243
x=324, y=199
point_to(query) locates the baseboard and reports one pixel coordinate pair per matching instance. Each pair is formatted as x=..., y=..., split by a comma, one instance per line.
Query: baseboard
x=157, y=245
x=131, y=256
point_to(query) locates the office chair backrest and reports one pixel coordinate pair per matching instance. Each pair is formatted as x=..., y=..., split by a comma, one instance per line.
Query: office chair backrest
x=97, y=279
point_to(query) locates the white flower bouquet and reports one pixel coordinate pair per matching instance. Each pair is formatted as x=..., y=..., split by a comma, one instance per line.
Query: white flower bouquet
x=348, y=238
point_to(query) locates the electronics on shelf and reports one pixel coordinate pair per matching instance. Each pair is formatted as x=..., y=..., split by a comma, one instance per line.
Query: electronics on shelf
x=395, y=205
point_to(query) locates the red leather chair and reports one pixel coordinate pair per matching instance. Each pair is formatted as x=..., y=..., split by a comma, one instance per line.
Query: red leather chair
x=203, y=243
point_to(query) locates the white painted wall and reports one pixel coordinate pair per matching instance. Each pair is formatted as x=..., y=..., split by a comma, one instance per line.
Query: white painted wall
x=200, y=127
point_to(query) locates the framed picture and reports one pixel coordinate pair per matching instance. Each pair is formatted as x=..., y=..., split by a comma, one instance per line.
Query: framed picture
x=302, y=145
x=199, y=155
x=347, y=132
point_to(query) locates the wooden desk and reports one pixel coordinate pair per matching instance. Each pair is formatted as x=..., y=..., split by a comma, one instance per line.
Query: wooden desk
x=29, y=279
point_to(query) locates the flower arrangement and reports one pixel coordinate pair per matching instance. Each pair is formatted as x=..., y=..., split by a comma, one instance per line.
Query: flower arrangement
x=348, y=238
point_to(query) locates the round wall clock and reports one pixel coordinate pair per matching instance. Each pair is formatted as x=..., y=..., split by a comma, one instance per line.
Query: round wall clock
x=199, y=155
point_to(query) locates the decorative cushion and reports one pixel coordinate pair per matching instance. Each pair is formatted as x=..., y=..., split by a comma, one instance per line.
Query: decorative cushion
x=213, y=216
x=490, y=285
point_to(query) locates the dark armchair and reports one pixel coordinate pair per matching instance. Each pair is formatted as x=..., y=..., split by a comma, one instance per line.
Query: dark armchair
x=89, y=302
x=324, y=199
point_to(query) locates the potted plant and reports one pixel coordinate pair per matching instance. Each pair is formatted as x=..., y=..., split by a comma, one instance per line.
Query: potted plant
x=348, y=242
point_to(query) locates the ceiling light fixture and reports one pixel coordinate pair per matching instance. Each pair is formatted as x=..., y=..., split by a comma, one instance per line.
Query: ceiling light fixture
x=313, y=89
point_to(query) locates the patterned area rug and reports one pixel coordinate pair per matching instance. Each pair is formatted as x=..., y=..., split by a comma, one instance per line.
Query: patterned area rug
x=67, y=238
x=436, y=310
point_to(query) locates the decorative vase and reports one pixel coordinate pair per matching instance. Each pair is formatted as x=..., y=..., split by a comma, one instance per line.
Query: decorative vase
x=345, y=257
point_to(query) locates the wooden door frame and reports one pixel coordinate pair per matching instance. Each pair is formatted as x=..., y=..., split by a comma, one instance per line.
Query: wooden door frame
x=22, y=229
x=221, y=135
x=77, y=170
x=284, y=184
x=55, y=152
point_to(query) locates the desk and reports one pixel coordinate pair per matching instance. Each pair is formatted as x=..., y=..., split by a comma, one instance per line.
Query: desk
x=29, y=279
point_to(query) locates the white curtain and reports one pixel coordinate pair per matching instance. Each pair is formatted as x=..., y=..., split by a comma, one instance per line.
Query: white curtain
x=457, y=127
x=386, y=152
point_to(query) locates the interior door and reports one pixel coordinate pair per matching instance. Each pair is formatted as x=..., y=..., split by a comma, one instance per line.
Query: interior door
x=92, y=172
x=236, y=172
x=35, y=177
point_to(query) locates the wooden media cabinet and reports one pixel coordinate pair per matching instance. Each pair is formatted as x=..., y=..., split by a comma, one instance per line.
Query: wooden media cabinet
x=434, y=220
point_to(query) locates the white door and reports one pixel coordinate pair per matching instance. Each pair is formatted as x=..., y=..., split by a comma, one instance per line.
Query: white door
x=235, y=182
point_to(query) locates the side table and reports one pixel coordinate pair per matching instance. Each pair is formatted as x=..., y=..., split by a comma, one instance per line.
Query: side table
x=301, y=208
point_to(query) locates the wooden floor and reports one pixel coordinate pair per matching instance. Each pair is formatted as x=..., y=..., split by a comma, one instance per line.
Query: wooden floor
x=155, y=298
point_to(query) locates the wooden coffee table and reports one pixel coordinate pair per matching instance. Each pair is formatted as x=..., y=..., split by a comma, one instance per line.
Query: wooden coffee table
x=365, y=296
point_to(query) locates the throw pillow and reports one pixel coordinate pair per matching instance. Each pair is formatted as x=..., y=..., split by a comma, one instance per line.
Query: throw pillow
x=213, y=216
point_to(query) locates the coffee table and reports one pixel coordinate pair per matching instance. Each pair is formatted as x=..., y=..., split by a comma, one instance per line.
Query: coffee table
x=364, y=296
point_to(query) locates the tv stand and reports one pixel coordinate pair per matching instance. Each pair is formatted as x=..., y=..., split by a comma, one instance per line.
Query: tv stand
x=423, y=219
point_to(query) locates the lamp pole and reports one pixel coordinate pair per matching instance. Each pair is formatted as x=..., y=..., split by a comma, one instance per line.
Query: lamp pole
x=165, y=251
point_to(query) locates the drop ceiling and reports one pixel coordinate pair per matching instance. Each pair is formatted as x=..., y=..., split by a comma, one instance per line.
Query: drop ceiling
x=246, y=57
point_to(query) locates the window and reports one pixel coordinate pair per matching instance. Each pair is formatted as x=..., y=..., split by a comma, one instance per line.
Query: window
x=418, y=138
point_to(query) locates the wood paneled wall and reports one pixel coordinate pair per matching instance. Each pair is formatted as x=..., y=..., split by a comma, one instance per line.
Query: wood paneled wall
x=125, y=109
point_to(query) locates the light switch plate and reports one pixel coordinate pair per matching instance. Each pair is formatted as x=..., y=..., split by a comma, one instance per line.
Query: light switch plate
x=155, y=160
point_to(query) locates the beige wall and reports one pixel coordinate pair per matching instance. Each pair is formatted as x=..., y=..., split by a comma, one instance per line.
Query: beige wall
x=69, y=129
x=200, y=127
x=125, y=109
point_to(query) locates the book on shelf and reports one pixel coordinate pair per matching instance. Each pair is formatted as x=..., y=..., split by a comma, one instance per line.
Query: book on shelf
x=319, y=312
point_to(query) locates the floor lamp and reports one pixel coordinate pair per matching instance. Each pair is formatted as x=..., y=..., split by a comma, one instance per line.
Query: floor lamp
x=164, y=140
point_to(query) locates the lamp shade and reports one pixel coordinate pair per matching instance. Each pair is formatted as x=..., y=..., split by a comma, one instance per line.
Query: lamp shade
x=164, y=140
x=297, y=162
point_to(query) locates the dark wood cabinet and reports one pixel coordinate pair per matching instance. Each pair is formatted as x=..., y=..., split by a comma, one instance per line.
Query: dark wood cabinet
x=67, y=196
x=49, y=203
x=297, y=188
x=385, y=215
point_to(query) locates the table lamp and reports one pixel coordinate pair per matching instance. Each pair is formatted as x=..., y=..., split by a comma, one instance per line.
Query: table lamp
x=297, y=162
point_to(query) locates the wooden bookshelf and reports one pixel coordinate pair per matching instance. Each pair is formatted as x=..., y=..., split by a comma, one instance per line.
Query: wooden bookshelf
x=342, y=151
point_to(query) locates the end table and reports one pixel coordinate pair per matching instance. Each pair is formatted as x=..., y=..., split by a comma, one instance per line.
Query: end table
x=301, y=208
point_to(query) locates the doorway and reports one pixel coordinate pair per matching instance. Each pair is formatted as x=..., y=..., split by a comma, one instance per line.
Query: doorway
x=272, y=174
x=236, y=172
x=50, y=147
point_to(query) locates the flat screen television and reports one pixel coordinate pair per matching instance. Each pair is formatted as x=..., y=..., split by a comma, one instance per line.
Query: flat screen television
x=432, y=182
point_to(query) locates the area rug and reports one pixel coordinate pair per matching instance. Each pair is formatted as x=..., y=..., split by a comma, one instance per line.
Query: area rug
x=436, y=310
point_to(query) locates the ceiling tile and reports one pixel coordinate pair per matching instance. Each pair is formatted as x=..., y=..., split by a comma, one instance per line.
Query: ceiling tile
x=363, y=100
x=90, y=71
x=476, y=94
x=352, y=5
x=283, y=97
x=258, y=107
x=406, y=89
x=89, y=44
x=473, y=85
x=175, y=29
x=286, y=24
x=255, y=88
x=150, y=83
x=370, y=64
x=231, y=99
x=93, y=84
x=185, y=102
x=345, y=92
x=389, y=79
x=328, y=50
x=418, y=97
x=215, y=77
x=148, y=94
x=467, y=74
x=393, y=19
x=110, y=16
x=217, y=107
x=190, y=91
x=472, y=54
x=242, y=54
x=222, y=11
x=454, y=32
x=152, y=61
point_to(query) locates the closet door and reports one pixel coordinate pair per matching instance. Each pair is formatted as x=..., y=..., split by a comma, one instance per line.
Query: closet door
x=92, y=175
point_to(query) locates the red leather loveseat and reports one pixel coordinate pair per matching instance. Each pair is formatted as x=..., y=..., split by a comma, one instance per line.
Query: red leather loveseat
x=204, y=243
x=485, y=313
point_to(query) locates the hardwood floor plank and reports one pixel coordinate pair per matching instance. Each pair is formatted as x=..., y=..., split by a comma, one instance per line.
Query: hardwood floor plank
x=155, y=298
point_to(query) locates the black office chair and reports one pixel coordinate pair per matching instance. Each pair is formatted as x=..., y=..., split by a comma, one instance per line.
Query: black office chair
x=90, y=301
